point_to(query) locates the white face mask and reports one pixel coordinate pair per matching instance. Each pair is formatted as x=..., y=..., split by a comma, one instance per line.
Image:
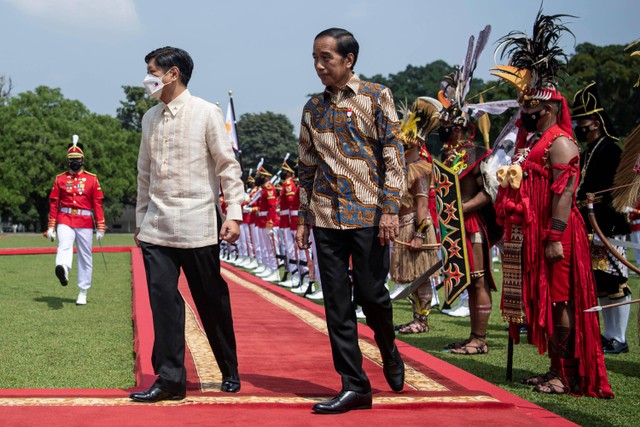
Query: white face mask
x=153, y=85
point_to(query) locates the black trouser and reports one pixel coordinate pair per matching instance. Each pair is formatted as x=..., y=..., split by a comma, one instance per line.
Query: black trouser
x=370, y=262
x=211, y=296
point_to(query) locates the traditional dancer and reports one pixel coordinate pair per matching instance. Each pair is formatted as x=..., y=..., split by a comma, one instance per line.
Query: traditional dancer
x=463, y=156
x=548, y=281
x=416, y=248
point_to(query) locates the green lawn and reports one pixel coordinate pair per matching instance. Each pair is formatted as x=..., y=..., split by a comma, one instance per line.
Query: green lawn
x=48, y=342
x=623, y=369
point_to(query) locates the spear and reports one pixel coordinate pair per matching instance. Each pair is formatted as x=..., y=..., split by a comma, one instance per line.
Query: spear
x=616, y=304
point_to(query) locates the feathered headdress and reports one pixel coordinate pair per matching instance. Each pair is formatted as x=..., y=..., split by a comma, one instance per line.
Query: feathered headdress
x=419, y=121
x=535, y=62
x=75, y=149
x=455, y=88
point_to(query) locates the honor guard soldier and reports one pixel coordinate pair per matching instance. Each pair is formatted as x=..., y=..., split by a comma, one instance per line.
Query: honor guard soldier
x=287, y=194
x=75, y=203
x=251, y=220
x=265, y=223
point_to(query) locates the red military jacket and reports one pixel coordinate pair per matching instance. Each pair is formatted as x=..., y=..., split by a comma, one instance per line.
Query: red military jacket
x=286, y=197
x=267, y=206
x=293, y=209
x=73, y=198
x=252, y=216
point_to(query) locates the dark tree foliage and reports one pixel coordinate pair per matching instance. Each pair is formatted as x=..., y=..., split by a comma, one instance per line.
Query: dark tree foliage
x=131, y=111
x=266, y=135
x=615, y=72
x=35, y=130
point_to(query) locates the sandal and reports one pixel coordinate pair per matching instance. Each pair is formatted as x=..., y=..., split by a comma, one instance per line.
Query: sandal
x=404, y=325
x=457, y=344
x=537, y=380
x=471, y=350
x=552, y=386
x=416, y=326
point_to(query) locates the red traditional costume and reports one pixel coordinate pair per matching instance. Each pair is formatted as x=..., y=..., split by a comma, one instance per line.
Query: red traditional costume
x=534, y=286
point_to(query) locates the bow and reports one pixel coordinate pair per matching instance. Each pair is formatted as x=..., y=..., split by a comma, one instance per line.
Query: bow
x=615, y=304
x=605, y=241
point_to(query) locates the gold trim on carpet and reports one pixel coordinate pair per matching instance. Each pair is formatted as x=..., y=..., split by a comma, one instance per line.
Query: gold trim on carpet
x=238, y=399
x=207, y=369
x=413, y=377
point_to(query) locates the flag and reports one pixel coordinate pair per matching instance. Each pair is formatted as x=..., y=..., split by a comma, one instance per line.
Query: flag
x=230, y=122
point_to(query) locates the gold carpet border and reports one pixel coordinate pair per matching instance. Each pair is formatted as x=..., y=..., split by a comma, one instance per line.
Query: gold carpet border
x=211, y=400
x=207, y=369
x=413, y=377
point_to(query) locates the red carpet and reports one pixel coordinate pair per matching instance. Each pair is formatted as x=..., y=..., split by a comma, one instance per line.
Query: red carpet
x=285, y=366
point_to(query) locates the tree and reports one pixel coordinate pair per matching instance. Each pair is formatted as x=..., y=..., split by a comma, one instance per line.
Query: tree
x=131, y=111
x=414, y=81
x=266, y=135
x=35, y=130
x=5, y=89
x=615, y=72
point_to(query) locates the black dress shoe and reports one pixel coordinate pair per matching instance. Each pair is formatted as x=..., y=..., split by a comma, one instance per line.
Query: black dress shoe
x=615, y=347
x=61, y=275
x=605, y=341
x=394, y=371
x=345, y=401
x=230, y=385
x=156, y=394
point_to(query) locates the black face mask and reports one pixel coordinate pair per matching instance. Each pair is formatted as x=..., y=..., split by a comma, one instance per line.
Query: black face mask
x=444, y=133
x=75, y=165
x=581, y=133
x=530, y=121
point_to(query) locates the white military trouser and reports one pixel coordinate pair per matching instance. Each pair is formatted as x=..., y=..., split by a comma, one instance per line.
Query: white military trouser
x=64, y=256
x=289, y=246
x=243, y=249
x=268, y=244
x=256, y=242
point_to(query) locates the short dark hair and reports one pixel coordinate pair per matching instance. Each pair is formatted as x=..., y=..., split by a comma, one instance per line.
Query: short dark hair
x=167, y=57
x=346, y=42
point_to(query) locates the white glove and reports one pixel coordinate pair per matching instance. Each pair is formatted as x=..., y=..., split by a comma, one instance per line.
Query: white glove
x=628, y=209
x=51, y=234
x=99, y=234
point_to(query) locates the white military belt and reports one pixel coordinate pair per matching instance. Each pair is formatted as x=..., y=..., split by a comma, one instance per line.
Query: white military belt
x=263, y=213
x=284, y=212
x=74, y=211
x=293, y=212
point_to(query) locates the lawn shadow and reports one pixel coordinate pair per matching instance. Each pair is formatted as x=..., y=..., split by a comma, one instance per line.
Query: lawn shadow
x=54, y=303
x=622, y=366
